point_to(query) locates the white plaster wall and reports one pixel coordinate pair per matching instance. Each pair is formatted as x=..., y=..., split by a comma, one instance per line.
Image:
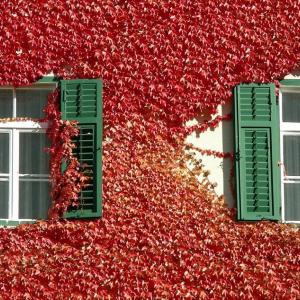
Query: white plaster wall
x=295, y=75
x=218, y=139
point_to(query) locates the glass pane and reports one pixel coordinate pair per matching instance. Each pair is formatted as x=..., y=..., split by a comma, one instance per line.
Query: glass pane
x=3, y=199
x=291, y=157
x=6, y=103
x=34, y=199
x=291, y=107
x=33, y=157
x=292, y=201
x=30, y=103
x=4, y=152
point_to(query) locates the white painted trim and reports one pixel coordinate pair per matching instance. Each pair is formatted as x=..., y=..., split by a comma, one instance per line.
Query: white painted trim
x=281, y=158
x=290, y=89
x=41, y=86
x=290, y=181
x=35, y=86
x=286, y=128
x=24, y=125
x=10, y=189
x=292, y=177
x=13, y=177
x=292, y=222
x=17, y=220
x=34, y=175
x=15, y=170
x=35, y=179
x=13, y=128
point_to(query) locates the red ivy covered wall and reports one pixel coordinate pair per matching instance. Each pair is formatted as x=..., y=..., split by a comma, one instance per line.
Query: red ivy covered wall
x=162, y=62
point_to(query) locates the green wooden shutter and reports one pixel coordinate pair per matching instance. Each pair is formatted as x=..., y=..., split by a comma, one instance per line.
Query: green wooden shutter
x=257, y=152
x=81, y=100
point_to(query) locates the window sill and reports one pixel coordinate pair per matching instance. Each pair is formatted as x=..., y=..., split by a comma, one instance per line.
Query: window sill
x=14, y=223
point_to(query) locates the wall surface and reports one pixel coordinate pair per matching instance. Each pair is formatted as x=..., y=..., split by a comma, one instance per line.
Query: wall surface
x=221, y=139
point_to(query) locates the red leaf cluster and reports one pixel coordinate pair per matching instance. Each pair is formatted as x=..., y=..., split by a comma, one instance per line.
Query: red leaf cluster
x=163, y=235
x=65, y=184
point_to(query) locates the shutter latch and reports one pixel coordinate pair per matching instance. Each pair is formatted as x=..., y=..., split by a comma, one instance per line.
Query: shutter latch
x=281, y=164
x=237, y=155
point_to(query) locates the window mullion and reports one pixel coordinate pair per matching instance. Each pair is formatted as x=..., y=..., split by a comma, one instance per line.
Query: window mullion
x=15, y=174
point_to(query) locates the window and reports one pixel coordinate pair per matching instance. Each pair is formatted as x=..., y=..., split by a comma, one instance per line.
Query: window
x=267, y=147
x=290, y=152
x=24, y=164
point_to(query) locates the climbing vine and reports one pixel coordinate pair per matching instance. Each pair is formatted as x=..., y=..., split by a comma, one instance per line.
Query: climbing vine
x=65, y=184
x=163, y=235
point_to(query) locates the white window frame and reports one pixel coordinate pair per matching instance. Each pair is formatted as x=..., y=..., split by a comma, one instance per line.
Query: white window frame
x=286, y=128
x=14, y=128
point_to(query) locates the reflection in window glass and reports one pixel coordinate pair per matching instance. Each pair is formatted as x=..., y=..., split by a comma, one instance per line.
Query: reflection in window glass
x=30, y=103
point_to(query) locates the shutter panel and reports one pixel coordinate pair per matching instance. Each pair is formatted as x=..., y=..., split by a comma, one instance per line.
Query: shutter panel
x=81, y=100
x=257, y=152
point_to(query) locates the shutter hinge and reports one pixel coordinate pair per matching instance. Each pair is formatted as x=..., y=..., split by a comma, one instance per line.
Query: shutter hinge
x=237, y=156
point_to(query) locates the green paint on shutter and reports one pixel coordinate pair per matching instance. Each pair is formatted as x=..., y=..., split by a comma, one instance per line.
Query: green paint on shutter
x=81, y=100
x=257, y=152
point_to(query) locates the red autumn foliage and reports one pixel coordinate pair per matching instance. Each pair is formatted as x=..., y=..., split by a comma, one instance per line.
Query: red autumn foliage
x=163, y=235
x=66, y=185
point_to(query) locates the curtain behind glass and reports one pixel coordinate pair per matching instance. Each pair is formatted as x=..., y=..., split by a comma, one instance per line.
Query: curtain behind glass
x=291, y=154
x=6, y=103
x=30, y=103
x=292, y=201
x=4, y=198
x=4, y=152
x=33, y=157
x=4, y=179
x=291, y=107
x=34, y=200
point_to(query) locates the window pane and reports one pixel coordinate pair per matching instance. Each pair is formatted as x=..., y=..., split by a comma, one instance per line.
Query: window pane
x=4, y=152
x=291, y=107
x=33, y=158
x=292, y=201
x=6, y=103
x=30, y=103
x=3, y=199
x=34, y=199
x=291, y=158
